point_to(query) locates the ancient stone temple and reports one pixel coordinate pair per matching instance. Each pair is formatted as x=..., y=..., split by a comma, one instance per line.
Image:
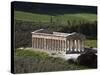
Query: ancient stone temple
x=57, y=41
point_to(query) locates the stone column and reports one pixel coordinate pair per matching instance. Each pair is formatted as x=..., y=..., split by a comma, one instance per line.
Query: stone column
x=75, y=45
x=55, y=45
x=49, y=44
x=70, y=44
x=38, y=43
x=35, y=43
x=58, y=45
x=32, y=42
x=61, y=45
x=52, y=44
x=64, y=45
x=67, y=45
x=46, y=44
x=41, y=43
x=79, y=45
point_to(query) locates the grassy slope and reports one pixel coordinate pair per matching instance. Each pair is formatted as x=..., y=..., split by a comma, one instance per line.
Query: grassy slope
x=91, y=43
x=19, y=15
x=32, y=61
x=25, y=16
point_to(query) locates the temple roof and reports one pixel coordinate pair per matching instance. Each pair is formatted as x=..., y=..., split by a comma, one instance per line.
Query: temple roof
x=43, y=31
x=73, y=35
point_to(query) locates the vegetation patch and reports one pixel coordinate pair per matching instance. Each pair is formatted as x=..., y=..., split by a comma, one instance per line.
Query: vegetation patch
x=33, y=61
x=91, y=43
x=32, y=53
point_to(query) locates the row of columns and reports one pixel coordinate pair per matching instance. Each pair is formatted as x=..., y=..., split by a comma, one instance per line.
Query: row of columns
x=49, y=44
x=75, y=45
x=58, y=45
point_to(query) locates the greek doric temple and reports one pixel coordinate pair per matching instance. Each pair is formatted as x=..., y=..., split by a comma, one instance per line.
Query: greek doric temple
x=57, y=41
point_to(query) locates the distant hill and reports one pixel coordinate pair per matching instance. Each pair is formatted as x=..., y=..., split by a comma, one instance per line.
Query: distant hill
x=64, y=18
x=52, y=9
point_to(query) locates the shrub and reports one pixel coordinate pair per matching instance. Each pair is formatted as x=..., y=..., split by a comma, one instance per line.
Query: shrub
x=88, y=59
x=71, y=61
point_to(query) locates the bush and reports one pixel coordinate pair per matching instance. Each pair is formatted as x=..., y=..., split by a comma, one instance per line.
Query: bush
x=88, y=59
x=71, y=61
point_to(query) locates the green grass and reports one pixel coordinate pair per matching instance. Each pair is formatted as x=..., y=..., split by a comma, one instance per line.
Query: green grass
x=27, y=61
x=91, y=43
x=25, y=16
x=31, y=53
x=33, y=17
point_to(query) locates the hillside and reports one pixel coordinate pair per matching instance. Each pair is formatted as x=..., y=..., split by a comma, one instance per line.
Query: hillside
x=33, y=17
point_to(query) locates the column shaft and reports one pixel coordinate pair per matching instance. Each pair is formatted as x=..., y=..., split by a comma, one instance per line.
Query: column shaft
x=73, y=45
x=79, y=45
x=64, y=45
x=59, y=45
